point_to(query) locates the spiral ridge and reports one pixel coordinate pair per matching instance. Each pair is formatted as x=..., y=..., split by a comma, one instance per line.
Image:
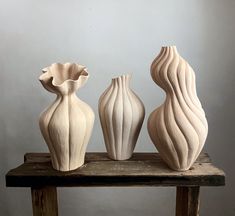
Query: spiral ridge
x=178, y=128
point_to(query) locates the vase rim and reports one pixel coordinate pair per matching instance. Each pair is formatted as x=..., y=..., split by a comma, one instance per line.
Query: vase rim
x=170, y=46
x=64, y=78
x=128, y=75
x=47, y=74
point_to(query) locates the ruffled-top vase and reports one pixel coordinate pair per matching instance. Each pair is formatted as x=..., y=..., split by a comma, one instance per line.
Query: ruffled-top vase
x=178, y=128
x=67, y=124
x=121, y=115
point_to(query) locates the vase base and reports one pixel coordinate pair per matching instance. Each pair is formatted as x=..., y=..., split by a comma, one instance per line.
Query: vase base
x=68, y=170
x=120, y=158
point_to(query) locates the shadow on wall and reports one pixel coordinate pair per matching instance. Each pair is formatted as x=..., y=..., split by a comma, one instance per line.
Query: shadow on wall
x=217, y=63
x=20, y=107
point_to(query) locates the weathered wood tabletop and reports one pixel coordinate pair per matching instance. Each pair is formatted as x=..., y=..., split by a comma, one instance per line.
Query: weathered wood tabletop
x=143, y=169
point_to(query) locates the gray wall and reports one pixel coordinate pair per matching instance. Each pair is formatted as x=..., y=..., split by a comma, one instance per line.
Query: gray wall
x=113, y=37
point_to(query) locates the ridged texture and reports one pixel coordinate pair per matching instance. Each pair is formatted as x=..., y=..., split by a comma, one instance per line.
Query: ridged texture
x=121, y=115
x=178, y=128
x=67, y=124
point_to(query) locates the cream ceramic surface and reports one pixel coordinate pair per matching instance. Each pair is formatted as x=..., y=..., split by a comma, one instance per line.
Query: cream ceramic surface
x=121, y=115
x=178, y=128
x=67, y=124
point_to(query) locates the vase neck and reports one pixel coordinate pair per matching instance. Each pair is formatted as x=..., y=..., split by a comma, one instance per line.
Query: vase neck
x=169, y=49
x=64, y=95
x=122, y=80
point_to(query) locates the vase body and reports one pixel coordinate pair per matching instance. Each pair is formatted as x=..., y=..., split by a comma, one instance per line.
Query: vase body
x=121, y=115
x=67, y=124
x=178, y=128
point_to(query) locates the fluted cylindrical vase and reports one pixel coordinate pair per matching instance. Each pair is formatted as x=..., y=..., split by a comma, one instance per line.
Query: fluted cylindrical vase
x=121, y=115
x=67, y=124
x=178, y=128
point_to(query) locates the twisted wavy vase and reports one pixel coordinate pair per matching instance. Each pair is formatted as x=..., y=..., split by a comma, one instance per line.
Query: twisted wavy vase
x=178, y=128
x=121, y=115
x=67, y=124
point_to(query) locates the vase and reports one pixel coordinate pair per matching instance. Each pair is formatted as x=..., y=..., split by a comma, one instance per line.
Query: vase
x=67, y=124
x=178, y=128
x=121, y=115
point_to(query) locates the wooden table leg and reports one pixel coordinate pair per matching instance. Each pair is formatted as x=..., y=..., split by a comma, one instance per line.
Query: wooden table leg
x=44, y=201
x=187, y=201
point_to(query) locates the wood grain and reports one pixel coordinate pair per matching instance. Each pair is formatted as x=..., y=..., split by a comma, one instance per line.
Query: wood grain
x=187, y=201
x=102, y=156
x=143, y=169
x=44, y=201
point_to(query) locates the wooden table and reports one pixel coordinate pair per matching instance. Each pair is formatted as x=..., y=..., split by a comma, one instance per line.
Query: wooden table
x=143, y=169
